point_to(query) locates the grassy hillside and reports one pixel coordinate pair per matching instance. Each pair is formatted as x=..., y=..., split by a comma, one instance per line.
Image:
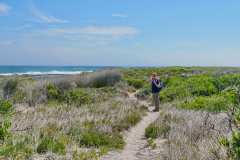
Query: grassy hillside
x=84, y=116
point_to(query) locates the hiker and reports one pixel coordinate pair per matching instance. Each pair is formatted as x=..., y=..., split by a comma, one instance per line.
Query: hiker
x=156, y=88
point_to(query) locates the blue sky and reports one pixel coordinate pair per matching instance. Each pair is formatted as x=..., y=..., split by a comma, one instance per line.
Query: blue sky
x=120, y=32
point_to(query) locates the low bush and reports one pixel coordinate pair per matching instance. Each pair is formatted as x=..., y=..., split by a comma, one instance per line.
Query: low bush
x=65, y=85
x=4, y=130
x=5, y=107
x=130, y=120
x=231, y=95
x=78, y=97
x=236, y=116
x=232, y=145
x=181, y=88
x=93, y=138
x=18, y=150
x=224, y=81
x=90, y=155
x=137, y=83
x=53, y=92
x=155, y=130
x=99, y=79
x=215, y=103
x=50, y=144
x=201, y=85
x=143, y=93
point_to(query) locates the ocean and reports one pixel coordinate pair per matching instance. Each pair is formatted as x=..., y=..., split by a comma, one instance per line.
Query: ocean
x=47, y=70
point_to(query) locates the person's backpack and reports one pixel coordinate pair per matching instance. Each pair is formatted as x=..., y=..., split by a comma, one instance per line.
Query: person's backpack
x=161, y=85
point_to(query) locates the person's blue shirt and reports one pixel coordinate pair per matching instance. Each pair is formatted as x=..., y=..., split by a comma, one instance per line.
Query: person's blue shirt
x=155, y=89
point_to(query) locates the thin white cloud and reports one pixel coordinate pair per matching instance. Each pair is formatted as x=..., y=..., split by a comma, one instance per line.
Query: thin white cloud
x=4, y=9
x=45, y=18
x=119, y=15
x=116, y=31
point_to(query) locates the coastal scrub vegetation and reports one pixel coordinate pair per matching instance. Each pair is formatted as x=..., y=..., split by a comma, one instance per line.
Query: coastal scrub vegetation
x=84, y=116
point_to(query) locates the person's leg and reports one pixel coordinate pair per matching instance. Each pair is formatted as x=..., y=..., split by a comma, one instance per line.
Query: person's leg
x=156, y=101
x=153, y=100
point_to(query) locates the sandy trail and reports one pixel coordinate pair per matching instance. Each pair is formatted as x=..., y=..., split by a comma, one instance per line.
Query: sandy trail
x=134, y=138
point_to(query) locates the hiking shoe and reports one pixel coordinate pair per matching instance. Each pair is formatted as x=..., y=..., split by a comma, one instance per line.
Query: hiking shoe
x=156, y=110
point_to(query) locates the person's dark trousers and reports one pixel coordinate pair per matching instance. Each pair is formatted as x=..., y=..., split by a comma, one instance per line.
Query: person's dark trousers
x=156, y=101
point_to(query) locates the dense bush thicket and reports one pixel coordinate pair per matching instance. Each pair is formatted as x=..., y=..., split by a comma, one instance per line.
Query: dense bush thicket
x=194, y=88
x=99, y=79
x=213, y=93
x=72, y=90
x=209, y=89
x=137, y=83
x=213, y=103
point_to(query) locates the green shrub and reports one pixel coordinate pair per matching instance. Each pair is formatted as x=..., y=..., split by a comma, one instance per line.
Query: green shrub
x=105, y=79
x=93, y=138
x=90, y=155
x=215, y=103
x=137, y=83
x=232, y=145
x=5, y=107
x=201, y=85
x=53, y=92
x=235, y=145
x=143, y=93
x=227, y=80
x=78, y=97
x=181, y=88
x=237, y=116
x=231, y=95
x=130, y=120
x=4, y=130
x=133, y=118
x=19, y=150
x=50, y=144
x=75, y=133
x=156, y=130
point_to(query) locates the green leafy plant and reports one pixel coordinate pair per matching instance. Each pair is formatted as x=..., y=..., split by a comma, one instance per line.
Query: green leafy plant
x=215, y=103
x=4, y=130
x=90, y=155
x=93, y=138
x=137, y=83
x=130, y=120
x=17, y=150
x=51, y=144
x=78, y=96
x=53, y=92
x=5, y=107
x=232, y=145
x=154, y=130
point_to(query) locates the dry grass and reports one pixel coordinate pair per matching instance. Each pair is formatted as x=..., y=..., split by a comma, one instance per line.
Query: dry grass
x=193, y=135
x=61, y=120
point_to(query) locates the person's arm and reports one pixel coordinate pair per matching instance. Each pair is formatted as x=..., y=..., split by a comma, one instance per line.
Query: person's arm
x=158, y=85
